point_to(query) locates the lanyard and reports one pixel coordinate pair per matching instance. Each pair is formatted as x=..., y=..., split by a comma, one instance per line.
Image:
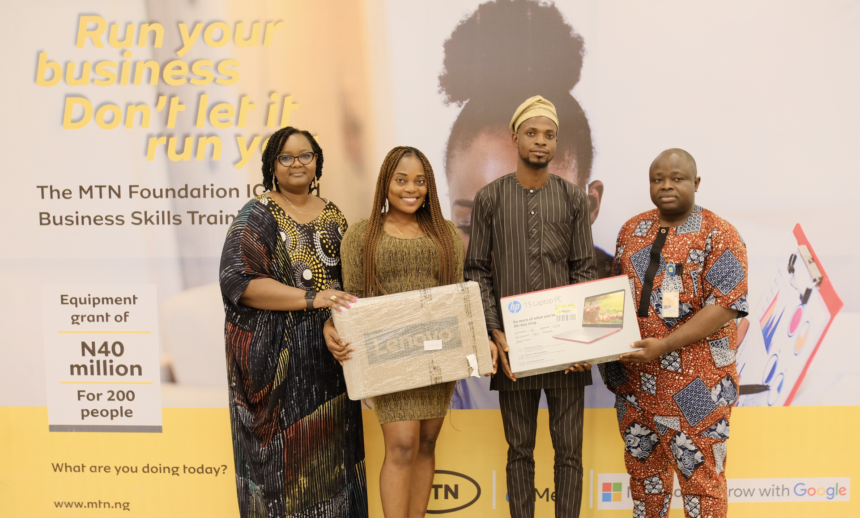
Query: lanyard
x=648, y=283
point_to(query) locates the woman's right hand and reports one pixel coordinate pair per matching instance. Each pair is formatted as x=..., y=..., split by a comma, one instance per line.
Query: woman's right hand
x=334, y=299
x=336, y=345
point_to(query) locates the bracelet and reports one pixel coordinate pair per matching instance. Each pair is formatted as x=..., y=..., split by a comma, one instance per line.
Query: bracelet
x=309, y=297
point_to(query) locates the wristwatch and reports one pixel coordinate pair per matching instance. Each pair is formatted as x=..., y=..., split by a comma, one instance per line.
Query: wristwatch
x=309, y=297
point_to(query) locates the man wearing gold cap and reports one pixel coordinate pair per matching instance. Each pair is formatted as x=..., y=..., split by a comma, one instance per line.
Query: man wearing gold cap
x=531, y=231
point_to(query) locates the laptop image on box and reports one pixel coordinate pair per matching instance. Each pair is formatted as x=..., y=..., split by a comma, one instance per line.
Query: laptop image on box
x=602, y=315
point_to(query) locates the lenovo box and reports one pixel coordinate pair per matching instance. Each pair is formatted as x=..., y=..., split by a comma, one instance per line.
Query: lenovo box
x=414, y=339
x=551, y=329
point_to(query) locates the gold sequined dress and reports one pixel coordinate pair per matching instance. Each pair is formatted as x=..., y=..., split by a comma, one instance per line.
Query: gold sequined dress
x=401, y=265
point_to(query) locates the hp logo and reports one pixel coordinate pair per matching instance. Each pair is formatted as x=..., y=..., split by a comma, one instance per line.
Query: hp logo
x=514, y=307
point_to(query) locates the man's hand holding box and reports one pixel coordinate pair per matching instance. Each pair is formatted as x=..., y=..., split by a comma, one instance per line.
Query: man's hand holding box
x=549, y=330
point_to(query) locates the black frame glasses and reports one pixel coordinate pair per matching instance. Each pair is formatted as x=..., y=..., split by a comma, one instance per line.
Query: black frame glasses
x=304, y=159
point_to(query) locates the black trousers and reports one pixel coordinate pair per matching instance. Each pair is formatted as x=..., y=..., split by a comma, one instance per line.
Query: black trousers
x=519, y=416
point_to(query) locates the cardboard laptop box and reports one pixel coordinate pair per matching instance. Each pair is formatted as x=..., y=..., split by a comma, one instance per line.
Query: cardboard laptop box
x=549, y=330
x=414, y=339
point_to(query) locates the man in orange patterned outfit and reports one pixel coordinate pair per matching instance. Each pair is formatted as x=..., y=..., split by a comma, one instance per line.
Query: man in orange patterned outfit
x=675, y=392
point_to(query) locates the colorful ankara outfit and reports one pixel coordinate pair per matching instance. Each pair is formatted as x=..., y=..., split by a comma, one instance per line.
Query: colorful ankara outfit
x=673, y=412
x=298, y=442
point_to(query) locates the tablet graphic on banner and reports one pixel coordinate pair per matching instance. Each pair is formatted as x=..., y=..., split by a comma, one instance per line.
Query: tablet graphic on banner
x=101, y=358
x=789, y=324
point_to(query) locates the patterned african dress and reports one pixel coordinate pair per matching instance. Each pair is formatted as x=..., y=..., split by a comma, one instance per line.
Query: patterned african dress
x=298, y=443
x=673, y=412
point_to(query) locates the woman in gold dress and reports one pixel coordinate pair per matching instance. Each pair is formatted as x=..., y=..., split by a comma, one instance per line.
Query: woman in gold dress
x=405, y=245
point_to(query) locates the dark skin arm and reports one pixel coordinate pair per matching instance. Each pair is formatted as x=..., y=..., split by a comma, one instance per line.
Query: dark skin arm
x=706, y=322
x=337, y=346
x=272, y=295
x=502, y=344
x=500, y=341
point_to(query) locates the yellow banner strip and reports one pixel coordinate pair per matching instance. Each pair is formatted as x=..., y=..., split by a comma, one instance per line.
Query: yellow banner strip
x=105, y=332
x=106, y=383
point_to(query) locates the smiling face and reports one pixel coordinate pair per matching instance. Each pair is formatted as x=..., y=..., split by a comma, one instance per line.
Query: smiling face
x=673, y=185
x=297, y=177
x=489, y=157
x=536, y=141
x=408, y=187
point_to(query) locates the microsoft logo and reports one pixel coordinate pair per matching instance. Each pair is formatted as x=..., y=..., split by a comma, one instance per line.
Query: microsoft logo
x=611, y=492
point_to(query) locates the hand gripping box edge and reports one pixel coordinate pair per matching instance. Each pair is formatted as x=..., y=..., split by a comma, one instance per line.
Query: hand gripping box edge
x=615, y=339
x=397, y=339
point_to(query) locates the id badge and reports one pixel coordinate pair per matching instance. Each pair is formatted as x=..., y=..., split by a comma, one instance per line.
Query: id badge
x=671, y=293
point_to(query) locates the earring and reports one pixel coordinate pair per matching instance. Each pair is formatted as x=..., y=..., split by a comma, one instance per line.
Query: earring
x=275, y=178
x=385, y=208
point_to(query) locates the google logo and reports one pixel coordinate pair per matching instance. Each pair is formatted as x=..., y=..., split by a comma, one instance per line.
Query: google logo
x=830, y=492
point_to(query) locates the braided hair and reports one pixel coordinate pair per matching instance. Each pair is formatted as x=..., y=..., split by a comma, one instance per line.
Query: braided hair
x=429, y=215
x=273, y=149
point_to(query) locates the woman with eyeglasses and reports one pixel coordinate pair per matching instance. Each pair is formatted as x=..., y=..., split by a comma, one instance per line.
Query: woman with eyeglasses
x=298, y=443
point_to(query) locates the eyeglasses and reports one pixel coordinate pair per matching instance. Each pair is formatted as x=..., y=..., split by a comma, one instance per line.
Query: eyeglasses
x=304, y=159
